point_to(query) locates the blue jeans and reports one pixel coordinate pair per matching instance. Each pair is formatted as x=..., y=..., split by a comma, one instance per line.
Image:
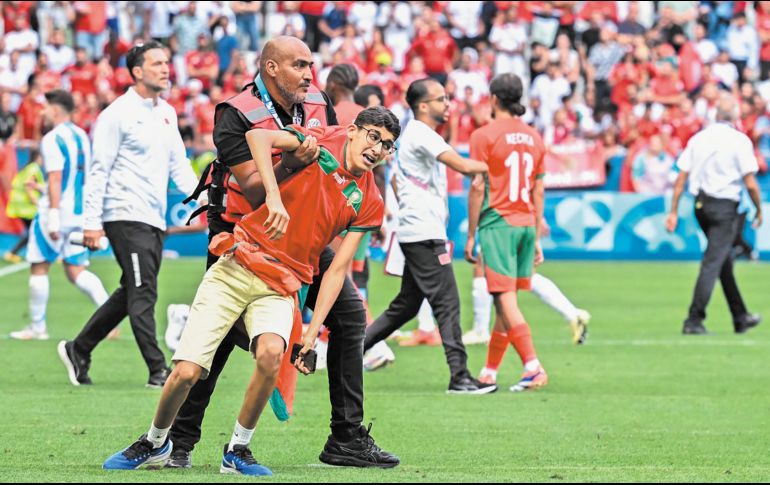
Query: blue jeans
x=93, y=43
x=248, y=29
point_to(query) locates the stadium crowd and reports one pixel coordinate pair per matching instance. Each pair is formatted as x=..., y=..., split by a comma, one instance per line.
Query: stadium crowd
x=640, y=77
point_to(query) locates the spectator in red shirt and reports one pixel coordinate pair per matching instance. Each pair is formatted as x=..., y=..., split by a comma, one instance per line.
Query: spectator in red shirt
x=87, y=112
x=29, y=116
x=204, y=119
x=176, y=100
x=203, y=64
x=12, y=11
x=46, y=78
x=384, y=77
x=625, y=74
x=91, y=27
x=340, y=86
x=667, y=88
x=121, y=80
x=685, y=122
x=763, y=27
x=83, y=75
x=463, y=120
x=375, y=49
x=415, y=72
x=608, y=10
x=438, y=50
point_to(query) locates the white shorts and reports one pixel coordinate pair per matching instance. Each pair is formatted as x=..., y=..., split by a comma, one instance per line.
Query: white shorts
x=42, y=249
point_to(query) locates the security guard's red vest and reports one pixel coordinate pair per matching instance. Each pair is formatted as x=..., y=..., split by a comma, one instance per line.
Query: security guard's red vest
x=255, y=111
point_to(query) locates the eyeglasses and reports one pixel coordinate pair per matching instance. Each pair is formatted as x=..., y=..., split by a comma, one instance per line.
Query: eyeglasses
x=374, y=137
x=440, y=99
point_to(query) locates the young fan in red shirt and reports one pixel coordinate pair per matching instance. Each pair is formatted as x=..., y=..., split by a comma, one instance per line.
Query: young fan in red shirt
x=266, y=262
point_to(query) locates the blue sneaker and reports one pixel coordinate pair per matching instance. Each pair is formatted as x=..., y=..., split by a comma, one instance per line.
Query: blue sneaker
x=139, y=454
x=240, y=461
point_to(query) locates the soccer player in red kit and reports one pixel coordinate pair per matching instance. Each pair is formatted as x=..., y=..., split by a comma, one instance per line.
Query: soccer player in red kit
x=507, y=207
x=265, y=265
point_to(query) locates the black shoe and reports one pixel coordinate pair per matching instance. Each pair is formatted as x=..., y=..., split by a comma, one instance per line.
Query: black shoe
x=694, y=328
x=158, y=379
x=77, y=365
x=469, y=385
x=746, y=322
x=179, y=459
x=360, y=452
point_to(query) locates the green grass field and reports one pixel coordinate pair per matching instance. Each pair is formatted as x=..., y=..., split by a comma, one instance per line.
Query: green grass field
x=639, y=402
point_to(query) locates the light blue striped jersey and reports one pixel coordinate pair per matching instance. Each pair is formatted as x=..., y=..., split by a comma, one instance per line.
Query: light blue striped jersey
x=67, y=149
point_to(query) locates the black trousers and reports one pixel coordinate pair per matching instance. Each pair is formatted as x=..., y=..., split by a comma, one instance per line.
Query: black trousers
x=138, y=248
x=346, y=324
x=719, y=220
x=428, y=274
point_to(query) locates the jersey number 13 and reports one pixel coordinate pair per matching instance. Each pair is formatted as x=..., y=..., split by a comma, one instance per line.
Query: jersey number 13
x=520, y=187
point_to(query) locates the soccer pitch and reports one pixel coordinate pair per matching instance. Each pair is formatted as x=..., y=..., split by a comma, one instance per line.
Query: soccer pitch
x=639, y=402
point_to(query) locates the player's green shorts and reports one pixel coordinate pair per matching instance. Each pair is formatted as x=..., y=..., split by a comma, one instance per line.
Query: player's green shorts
x=509, y=257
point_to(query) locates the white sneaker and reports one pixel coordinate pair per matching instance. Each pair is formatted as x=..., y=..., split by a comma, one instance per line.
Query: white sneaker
x=475, y=338
x=177, y=319
x=378, y=357
x=29, y=333
x=321, y=349
x=579, y=327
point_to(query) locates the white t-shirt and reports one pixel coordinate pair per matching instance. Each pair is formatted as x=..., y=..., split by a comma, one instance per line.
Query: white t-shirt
x=67, y=149
x=550, y=93
x=717, y=158
x=283, y=24
x=21, y=40
x=59, y=58
x=727, y=73
x=421, y=184
x=474, y=79
x=466, y=14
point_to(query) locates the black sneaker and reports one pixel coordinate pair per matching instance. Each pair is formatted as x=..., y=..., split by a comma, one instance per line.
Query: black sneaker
x=179, y=459
x=77, y=365
x=694, y=328
x=359, y=452
x=746, y=322
x=158, y=379
x=469, y=385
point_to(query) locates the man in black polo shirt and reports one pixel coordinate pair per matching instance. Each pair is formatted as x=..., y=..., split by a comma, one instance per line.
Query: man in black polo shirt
x=284, y=86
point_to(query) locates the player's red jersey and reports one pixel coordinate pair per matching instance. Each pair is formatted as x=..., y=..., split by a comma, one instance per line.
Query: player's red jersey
x=322, y=200
x=515, y=154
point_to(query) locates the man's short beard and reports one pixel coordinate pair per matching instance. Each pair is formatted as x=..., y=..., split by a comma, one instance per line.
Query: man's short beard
x=154, y=88
x=291, y=97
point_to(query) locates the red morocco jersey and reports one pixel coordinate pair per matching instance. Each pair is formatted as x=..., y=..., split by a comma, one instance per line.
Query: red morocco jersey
x=515, y=154
x=322, y=200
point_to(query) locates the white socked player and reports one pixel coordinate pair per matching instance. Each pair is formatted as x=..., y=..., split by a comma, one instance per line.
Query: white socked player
x=66, y=152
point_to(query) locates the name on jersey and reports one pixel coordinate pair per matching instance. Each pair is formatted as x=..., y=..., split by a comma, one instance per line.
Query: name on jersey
x=519, y=139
